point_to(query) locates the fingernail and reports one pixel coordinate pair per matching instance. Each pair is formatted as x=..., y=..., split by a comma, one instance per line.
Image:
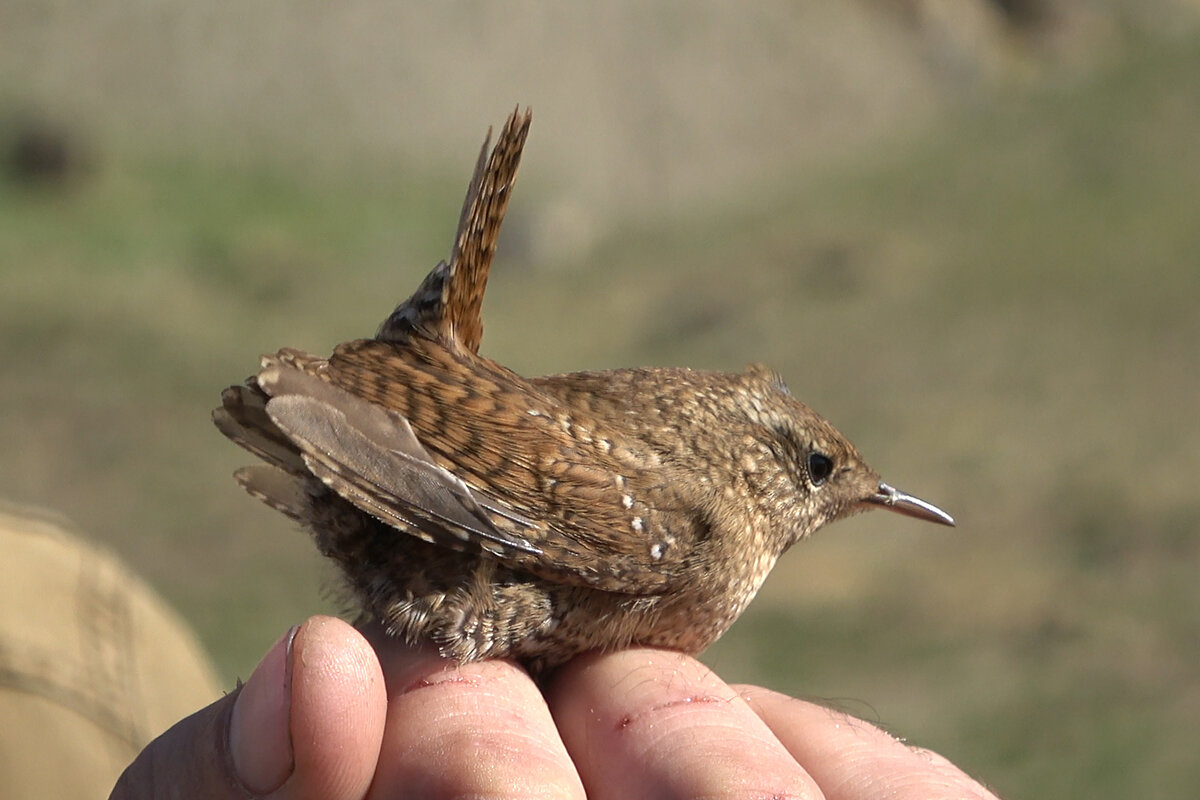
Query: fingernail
x=260, y=737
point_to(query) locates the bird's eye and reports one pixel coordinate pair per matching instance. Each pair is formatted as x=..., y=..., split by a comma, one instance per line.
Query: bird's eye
x=820, y=466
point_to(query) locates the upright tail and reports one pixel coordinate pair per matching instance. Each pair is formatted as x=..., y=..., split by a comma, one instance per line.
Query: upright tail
x=448, y=301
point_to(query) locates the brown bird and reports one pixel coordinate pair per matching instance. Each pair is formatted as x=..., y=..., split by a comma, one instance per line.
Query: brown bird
x=536, y=518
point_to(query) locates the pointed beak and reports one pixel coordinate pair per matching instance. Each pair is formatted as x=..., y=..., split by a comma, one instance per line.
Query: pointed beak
x=895, y=500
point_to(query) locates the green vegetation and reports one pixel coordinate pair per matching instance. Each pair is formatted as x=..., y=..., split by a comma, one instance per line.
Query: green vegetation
x=1002, y=313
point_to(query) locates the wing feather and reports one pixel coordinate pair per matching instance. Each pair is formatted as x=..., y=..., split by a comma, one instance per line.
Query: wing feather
x=606, y=510
x=372, y=458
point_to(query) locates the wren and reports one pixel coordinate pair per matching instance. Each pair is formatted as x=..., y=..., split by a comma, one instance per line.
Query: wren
x=536, y=518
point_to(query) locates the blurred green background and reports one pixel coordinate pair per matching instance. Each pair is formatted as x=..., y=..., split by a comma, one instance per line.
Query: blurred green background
x=965, y=232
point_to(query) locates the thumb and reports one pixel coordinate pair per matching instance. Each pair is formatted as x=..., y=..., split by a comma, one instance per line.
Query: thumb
x=308, y=723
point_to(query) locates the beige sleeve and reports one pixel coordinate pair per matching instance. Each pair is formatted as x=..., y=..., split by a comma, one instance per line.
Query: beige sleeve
x=93, y=664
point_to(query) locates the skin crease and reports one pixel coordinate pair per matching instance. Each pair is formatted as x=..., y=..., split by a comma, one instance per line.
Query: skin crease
x=333, y=712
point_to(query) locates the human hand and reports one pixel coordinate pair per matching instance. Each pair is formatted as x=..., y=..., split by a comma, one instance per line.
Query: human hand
x=333, y=713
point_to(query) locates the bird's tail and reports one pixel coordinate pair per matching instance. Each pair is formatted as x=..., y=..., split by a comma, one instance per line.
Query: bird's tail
x=449, y=300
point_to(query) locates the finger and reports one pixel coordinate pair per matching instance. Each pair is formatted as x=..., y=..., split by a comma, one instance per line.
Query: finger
x=477, y=730
x=655, y=723
x=850, y=758
x=307, y=723
x=338, y=710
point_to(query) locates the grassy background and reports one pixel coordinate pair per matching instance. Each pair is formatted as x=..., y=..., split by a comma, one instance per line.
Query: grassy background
x=1002, y=310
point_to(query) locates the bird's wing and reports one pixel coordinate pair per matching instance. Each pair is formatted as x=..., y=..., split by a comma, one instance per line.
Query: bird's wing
x=469, y=459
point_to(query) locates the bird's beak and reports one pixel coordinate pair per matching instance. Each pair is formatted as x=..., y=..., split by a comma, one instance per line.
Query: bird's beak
x=895, y=500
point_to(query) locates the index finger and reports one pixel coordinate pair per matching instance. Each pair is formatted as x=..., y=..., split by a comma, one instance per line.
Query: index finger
x=479, y=729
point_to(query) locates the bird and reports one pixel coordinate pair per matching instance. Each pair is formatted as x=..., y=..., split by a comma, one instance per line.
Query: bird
x=537, y=518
